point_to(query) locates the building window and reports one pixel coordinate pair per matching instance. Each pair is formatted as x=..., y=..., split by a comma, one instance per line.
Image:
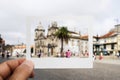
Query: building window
x=105, y=41
x=112, y=46
x=104, y=46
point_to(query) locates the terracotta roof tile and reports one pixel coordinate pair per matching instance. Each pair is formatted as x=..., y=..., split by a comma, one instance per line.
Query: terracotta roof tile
x=109, y=34
x=84, y=37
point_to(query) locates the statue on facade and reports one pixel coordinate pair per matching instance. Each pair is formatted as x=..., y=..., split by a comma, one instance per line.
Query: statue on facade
x=40, y=26
x=54, y=24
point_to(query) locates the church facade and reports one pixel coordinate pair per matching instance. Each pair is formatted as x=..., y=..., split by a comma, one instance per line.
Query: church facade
x=50, y=45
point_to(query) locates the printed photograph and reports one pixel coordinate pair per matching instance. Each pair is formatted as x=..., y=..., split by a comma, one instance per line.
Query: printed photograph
x=59, y=37
x=55, y=42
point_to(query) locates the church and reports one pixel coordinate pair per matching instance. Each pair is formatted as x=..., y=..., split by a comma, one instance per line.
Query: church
x=50, y=45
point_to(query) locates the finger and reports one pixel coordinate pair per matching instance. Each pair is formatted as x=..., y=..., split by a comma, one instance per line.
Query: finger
x=7, y=67
x=24, y=71
x=32, y=75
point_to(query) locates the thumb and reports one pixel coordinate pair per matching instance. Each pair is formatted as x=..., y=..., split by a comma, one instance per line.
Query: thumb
x=23, y=72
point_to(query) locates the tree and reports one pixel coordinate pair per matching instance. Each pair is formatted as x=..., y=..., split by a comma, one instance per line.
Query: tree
x=63, y=35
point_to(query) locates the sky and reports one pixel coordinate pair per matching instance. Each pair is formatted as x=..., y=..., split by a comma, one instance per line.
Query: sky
x=14, y=15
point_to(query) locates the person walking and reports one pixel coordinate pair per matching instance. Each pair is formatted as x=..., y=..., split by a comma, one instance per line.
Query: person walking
x=117, y=54
x=101, y=56
x=68, y=54
x=39, y=54
x=7, y=54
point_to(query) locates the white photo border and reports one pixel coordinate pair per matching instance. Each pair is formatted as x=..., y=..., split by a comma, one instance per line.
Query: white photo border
x=61, y=63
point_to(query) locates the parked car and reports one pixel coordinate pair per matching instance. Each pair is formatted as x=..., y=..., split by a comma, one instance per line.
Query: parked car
x=106, y=53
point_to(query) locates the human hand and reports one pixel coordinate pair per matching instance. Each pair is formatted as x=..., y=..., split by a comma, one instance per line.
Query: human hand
x=20, y=69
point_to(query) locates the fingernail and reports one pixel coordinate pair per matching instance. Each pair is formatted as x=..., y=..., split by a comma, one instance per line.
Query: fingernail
x=29, y=63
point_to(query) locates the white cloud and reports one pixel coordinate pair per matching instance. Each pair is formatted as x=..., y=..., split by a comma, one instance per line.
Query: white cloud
x=13, y=13
x=105, y=4
x=104, y=26
x=14, y=37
